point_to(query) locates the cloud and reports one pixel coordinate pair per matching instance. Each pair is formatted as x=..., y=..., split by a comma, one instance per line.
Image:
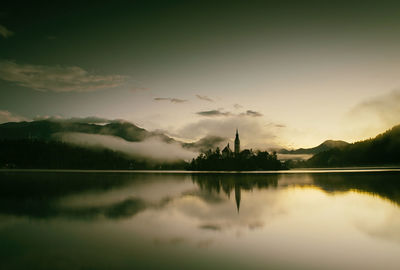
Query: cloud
x=237, y=106
x=212, y=227
x=82, y=120
x=57, y=78
x=213, y=113
x=204, y=98
x=4, y=32
x=172, y=100
x=279, y=125
x=219, y=112
x=253, y=131
x=208, y=142
x=139, y=89
x=251, y=113
x=6, y=116
x=151, y=149
x=374, y=115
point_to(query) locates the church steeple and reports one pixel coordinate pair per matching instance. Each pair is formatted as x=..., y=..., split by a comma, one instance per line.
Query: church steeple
x=237, y=143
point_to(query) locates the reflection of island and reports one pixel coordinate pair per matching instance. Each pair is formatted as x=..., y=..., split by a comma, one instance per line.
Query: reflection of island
x=234, y=182
x=383, y=184
x=228, y=160
x=39, y=195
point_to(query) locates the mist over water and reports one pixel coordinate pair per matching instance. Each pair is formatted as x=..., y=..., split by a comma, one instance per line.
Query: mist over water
x=99, y=220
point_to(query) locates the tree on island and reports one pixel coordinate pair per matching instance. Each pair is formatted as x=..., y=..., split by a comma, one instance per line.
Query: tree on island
x=246, y=160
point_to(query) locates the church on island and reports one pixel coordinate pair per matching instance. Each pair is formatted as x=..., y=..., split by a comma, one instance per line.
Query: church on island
x=236, y=160
x=227, y=152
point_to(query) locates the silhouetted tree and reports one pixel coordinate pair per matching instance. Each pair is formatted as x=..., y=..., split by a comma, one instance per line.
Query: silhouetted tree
x=247, y=160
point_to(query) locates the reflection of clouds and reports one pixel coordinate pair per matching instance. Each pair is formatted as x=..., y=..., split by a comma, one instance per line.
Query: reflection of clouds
x=205, y=243
x=209, y=204
x=260, y=207
x=288, y=217
x=207, y=196
x=174, y=241
x=179, y=241
x=255, y=225
x=86, y=196
x=126, y=208
x=384, y=225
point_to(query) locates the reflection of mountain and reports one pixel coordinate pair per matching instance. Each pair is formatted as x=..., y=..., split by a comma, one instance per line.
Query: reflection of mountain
x=383, y=184
x=44, y=195
x=38, y=195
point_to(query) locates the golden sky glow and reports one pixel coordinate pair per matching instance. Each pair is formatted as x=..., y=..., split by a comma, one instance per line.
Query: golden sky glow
x=291, y=75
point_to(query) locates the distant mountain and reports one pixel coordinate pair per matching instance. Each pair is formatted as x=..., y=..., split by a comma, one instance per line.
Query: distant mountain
x=40, y=144
x=384, y=149
x=326, y=145
x=36, y=154
x=46, y=129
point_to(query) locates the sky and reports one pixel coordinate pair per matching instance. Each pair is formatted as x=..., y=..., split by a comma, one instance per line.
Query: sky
x=285, y=73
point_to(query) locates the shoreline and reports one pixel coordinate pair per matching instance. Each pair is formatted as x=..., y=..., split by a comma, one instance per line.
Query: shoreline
x=291, y=171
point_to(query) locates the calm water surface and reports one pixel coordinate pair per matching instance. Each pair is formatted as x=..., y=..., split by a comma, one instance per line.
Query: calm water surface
x=105, y=220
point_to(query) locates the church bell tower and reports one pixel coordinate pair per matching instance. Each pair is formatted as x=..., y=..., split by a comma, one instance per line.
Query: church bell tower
x=237, y=143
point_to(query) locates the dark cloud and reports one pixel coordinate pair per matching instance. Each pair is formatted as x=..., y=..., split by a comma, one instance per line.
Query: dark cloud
x=237, y=106
x=219, y=112
x=251, y=113
x=206, y=98
x=211, y=227
x=172, y=100
x=138, y=89
x=280, y=126
x=57, y=78
x=214, y=113
x=4, y=32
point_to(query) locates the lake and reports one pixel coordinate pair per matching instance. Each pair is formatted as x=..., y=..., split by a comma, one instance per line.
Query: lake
x=150, y=220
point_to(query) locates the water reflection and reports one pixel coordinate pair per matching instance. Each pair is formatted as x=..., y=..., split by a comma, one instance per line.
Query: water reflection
x=197, y=221
x=43, y=195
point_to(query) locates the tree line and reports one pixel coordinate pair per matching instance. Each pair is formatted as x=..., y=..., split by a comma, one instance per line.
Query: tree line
x=247, y=160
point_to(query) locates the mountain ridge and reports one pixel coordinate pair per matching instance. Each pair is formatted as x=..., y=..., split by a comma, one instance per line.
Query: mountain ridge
x=46, y=130
x=383, y=149
x=326, y=145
